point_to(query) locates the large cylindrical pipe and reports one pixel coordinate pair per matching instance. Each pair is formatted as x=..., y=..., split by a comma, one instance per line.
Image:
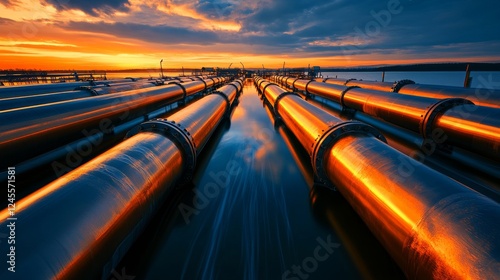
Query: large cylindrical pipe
x=16, y=91
x=335, y=81
x=380, y=86
x=475, y=128
x=29, y=131
x=483, y=95
x=110, y=198
x=431, y=232
x=80, y=92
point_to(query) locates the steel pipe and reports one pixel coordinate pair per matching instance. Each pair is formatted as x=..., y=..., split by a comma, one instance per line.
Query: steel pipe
x=110, y=198
x=380, y=86
x=475, y=128
x=29, y=131
x=340, y=82
x=480, y=96
x=79, y=92
x=445, y=232
x=17, y=91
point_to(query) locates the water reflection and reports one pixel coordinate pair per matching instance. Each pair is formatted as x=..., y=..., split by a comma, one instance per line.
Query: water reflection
x=248, y=214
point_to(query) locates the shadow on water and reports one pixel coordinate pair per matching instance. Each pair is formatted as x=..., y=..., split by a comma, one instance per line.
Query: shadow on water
x=251, y=212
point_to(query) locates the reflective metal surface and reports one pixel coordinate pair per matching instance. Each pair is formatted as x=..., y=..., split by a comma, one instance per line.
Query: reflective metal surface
x=16, y=91
x=72, y=227
x=111, y=198
x=251, y=215
x=28, y=131
x=380, y=86
x=474, y=128
x=480, y=96
x=432, y=232
x=79, y=92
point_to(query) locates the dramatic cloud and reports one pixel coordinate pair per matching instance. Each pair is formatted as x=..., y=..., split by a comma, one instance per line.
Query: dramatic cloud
x=340, y=31
x=91, y=7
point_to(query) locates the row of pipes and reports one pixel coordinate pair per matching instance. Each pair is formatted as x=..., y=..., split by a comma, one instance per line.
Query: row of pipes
x=432, y=226
x=484, y=95
x=81, y=225
x=465, y=125
x=36, y=135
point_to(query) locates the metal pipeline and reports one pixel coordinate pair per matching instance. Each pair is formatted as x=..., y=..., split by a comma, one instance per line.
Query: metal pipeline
x=454, y=120
x=480, y=96
x=430, y=232
x=79, y=92
x=29, y=131
x=380, y=86
x=340, y=82
x=112, y=197
x=16, y=91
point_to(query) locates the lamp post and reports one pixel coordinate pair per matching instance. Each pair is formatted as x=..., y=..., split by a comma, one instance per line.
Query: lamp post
x=161, y=68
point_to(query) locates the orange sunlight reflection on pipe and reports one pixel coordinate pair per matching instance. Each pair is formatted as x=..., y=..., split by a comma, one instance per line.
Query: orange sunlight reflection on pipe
x=484, y=131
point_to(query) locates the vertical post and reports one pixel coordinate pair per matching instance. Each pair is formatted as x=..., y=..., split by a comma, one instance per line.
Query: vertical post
x=161, y=68
x=468, y=79
x=383, y=76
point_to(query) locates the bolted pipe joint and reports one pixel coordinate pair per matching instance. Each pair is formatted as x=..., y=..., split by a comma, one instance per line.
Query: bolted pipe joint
x=428, y=120
x=89, y=89
x=400, y=84
x=183, y=101
x=179, y=135
x=326, y=141
x=278, y=99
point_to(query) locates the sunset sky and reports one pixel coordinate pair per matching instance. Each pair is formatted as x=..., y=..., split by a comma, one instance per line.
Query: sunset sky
x=124, y=34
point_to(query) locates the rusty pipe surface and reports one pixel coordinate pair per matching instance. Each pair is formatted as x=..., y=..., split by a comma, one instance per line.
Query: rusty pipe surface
x=431, y=225
x=471, y=127
x=28, y=131
x=111, y=198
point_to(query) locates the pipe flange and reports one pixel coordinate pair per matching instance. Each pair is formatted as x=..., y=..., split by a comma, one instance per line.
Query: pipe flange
x=178, y=134
x=348, y=80
x=89, y=89
x=342, y=94
x=205, y=83
x=228, y=103
x=235, y=86
x=239, y=82
x=307, y=85
x=278, y=99
x=325, y=141
x=427, y=121
x=182, y=87
x=264, y=89
x=214, y=84
x=293, y=84
x=396, y=87
x=260, y=82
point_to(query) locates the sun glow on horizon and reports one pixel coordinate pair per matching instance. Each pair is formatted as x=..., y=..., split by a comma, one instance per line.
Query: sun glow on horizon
x=70, y=38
